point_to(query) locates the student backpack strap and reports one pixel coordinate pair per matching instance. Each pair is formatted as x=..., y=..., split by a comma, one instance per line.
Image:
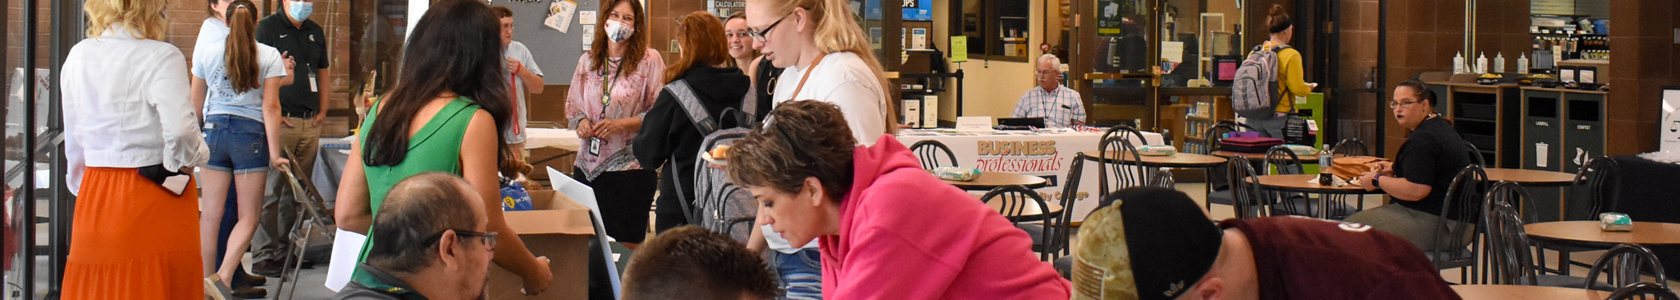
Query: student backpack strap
x=691, y=105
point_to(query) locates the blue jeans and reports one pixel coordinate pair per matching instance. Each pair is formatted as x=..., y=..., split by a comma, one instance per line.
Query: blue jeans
x=801, y=273
x=237, y=145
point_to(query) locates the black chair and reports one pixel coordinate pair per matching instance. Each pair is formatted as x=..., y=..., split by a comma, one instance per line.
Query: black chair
x=1644, y=291
x=1292, y=203
x=1344, y=148
x=1112, y=173
x=1510, y=261
x=1509, y=257
x=1058, y=245
x=1162, y=178
x=1219, y=185
x=1623, y=265
x=1247, y=199
x=1125, y=132
x=928, y=152
x=1476, y=155
x=1464, y=198
x=1015, y=203
x=1595, y=185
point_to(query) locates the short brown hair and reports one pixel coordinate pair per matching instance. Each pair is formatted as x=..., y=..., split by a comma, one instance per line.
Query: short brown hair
x=502, y=11
x=690, y=262
x=799, y=139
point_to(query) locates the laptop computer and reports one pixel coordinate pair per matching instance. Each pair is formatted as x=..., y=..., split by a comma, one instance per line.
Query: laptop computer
x=1034, y=122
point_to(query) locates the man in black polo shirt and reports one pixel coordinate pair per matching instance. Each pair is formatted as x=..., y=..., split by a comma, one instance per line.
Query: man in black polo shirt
x=303, y=104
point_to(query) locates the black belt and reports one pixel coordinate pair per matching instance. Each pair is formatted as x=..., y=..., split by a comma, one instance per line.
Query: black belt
x=293, y=115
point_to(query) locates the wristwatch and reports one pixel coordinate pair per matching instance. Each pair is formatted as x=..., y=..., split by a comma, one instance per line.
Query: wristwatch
x=1374, y=180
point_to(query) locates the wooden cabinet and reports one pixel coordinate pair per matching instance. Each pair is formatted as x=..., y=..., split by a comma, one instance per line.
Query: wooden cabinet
x=1486, y=116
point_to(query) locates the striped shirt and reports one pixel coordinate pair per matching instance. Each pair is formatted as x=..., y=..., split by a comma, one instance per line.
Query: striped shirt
x=1059, y=109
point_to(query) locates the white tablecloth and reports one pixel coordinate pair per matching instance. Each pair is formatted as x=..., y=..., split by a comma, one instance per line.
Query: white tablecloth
x=1045, y=155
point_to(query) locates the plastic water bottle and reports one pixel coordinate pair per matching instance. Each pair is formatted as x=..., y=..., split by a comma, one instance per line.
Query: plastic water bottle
x=1324, y=177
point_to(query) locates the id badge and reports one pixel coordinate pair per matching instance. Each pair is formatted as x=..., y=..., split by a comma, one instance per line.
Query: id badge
x=313, y=88
x=595, y=146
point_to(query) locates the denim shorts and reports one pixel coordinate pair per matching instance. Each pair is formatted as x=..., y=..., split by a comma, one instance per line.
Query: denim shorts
x=237, y=144
x=800, y=273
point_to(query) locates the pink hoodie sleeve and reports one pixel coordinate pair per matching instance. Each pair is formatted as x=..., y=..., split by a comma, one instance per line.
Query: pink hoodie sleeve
x=886, y=265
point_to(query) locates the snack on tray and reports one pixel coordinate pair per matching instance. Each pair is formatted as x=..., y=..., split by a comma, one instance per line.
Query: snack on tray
x=1611, y=221
x=1157, y=150
x=955, y=173
x=720, y=153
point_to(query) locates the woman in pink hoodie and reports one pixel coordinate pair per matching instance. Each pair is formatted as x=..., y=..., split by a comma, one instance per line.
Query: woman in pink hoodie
x=887, y=228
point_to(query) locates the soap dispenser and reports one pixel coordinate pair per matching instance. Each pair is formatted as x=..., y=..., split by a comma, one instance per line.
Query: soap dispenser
x=1481, y=62
x=1522, y=63
x=1499, y=62
x=1458, y=63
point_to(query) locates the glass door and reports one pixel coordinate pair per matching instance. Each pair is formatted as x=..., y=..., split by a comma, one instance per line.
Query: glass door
x=1115, y=61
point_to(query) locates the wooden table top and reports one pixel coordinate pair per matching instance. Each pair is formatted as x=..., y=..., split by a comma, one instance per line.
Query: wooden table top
x=1526, y=292
x=1298, y=183
x=1530, y=177
x=990, y=180
x=1589, y=232
x=1307, y=159
x=1030, y=212
x=1177, y=160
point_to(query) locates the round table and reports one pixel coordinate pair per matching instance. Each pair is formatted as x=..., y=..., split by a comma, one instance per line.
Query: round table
x=1299, y=183
x=1588, y=233
x=1526, y=292
x=1177, y=160
x=1310, y=159
x=989, y=180
x=1535, y=178
x=1028, y=213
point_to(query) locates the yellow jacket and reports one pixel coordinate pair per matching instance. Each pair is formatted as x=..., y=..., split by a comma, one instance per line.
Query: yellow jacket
x=1291, y=81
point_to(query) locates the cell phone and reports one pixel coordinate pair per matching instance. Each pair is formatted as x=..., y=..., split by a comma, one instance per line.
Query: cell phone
x=174, y=182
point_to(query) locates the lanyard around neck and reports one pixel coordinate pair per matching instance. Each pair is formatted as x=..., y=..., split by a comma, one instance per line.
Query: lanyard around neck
x=807, y=75
x=607, y=86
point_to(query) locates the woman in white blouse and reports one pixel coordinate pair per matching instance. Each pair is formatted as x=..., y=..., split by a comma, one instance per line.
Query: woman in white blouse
x=131, y=141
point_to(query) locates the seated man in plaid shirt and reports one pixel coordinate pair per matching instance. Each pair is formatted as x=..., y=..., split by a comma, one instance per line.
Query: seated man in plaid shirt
x=1057, y=104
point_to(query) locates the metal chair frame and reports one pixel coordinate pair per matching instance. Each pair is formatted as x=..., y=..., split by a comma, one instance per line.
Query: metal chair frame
x=312, y=210
x=1509, y=258
x=1247, y=198
x=1643, y=290
x=927, y=151
x=1344, y=148
x=1016, y=199
x=1623, y=266
x=1463, y=197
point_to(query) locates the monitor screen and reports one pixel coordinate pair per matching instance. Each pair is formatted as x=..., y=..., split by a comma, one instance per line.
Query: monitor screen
x=918, y=10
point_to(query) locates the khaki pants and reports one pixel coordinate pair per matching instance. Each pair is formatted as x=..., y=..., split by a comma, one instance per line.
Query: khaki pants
x=279, y=213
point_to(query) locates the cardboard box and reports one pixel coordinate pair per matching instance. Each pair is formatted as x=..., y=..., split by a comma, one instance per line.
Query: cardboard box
x=560, y=229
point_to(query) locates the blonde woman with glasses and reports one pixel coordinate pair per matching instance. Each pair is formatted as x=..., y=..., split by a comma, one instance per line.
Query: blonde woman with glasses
x=131, y=142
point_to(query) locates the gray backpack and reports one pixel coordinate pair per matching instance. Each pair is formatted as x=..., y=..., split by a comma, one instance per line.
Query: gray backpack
x=716, y=204
x=1254, y=91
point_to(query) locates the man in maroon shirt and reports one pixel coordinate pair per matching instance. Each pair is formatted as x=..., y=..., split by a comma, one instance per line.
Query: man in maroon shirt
x=1156, y=243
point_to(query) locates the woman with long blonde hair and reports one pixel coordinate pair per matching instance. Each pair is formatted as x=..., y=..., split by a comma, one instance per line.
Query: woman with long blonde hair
x=131, y=140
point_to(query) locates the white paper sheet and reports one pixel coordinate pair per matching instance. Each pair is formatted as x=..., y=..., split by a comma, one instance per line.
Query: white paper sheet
x=347, y=246
x=560, y=15
x=1172, y=51
x=587, y=17
x=1540, y=155
x=585, y=195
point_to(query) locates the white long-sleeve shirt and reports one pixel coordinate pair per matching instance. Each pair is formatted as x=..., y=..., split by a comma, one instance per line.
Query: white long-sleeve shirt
x=125, y=106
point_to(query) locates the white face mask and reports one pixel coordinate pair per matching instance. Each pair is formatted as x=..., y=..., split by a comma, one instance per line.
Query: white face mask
x=619, y=31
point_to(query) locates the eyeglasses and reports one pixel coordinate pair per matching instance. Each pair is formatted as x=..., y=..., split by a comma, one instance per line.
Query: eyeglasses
x=758, y=35
x=489, y=237
x=1398, y=104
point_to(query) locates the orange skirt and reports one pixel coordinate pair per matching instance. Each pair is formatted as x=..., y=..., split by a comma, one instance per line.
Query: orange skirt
x=132, y=239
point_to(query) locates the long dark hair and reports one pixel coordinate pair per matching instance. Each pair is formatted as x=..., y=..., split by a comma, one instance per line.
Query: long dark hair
x=636, y=46
x=240, y=57
x=456, y=47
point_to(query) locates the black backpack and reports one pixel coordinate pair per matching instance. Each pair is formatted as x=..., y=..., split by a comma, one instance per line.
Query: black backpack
x=716, y=204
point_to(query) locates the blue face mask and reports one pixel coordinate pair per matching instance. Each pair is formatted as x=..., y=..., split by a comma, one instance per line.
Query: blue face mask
x=300, y=10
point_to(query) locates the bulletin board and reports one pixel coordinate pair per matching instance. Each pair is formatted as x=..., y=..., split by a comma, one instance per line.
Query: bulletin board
x=556, y=52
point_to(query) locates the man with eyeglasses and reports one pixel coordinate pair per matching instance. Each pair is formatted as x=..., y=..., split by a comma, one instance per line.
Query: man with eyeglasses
x=1057, y=104
x=423, y=247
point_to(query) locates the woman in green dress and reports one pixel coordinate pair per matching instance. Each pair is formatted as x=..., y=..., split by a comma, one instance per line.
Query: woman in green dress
x=443, y=114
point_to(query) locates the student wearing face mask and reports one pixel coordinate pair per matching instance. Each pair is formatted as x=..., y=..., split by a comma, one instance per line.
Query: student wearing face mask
x=302, y=108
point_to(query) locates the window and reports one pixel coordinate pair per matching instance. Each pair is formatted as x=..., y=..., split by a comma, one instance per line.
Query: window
x=996, y=29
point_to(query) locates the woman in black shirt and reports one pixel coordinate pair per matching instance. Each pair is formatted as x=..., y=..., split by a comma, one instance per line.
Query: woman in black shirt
x=1420, y=174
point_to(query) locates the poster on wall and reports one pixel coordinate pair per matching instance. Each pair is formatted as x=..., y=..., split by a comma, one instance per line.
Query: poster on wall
x=1671, y=119
x=724, y=8
x=918, y=10
x=1109, y=18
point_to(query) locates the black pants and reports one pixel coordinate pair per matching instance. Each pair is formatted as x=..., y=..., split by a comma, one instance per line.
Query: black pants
x=625, y=198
